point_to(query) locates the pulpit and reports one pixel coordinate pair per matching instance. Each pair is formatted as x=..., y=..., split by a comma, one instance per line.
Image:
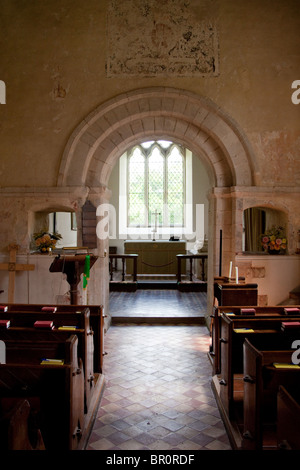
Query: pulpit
x=73, y=267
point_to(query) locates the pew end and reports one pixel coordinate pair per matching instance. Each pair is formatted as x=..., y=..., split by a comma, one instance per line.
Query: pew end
x=288, y=418
x=18, y=428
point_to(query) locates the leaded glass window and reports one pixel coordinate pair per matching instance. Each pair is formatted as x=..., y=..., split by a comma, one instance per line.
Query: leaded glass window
x=156, y=183
x=137, y=186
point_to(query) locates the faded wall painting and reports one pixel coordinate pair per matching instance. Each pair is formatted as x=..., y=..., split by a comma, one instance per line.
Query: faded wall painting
x=156, y=38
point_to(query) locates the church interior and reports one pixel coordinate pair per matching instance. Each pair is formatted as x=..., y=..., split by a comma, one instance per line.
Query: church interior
x=150, y=225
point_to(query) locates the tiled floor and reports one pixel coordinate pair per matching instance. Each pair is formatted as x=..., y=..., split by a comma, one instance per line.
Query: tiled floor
x=158, y=303
x=158, y=394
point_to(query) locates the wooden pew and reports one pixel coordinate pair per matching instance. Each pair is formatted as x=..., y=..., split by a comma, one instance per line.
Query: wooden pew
x=269, y=311
x=288, y=418
x=58, y=389
x=234, y=330
x=22, y=327
x=16, y=428
x=96, y=323
x=261, y=384
x=226, y=293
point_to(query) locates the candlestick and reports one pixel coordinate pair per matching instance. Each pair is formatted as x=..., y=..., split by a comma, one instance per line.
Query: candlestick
x=230, y=270
x=236, y=275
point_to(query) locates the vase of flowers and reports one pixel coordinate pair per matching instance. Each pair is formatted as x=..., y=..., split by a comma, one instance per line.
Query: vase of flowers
x=45, y=241
x=274, y=240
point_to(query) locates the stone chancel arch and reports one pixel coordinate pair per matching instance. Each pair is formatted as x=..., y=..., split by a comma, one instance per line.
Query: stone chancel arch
x=164, y=113
x=156, y=113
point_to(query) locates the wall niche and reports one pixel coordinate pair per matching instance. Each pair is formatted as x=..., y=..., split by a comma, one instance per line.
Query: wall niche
x=62, y=222
x=258, y=220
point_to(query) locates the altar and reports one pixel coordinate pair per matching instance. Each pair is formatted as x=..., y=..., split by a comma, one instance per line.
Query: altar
x=154, y=257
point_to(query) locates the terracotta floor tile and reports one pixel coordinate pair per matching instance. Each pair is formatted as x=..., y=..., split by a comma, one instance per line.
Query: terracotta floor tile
x=131, y=444
x=160, y=445
x=145, y=438
x=132, y=431
x=174, y=439
x=134, y=419
x=189, y=445
x=104, y=431
x=158, y=394
x=216, y=445
x=188, y=432
x=159, y=432
x=102, y=444
x=213, y=431
x=118, y=437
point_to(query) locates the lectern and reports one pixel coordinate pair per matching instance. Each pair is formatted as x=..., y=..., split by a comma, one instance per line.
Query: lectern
x=230, y=293
x=73, y=267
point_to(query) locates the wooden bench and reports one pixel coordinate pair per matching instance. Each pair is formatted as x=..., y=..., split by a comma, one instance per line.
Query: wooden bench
x=234, y=331
x=58, y=389
x=22, y=327
x=264, y=372
x=96, y=323
x=238, y=311
x=288, y=418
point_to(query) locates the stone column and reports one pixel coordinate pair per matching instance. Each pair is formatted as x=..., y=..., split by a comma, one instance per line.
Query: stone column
x=99, y=282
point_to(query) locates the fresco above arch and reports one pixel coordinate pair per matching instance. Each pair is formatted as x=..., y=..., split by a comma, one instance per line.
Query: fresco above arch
x=146, y=40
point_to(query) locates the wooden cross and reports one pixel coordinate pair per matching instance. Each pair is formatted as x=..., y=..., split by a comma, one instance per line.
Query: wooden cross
x=12, y=267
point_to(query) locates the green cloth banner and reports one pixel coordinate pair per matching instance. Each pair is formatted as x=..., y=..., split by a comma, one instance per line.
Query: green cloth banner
x=86, y=273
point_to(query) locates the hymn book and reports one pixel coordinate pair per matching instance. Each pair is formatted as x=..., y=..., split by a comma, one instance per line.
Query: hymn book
x=48, y=324
x=287, y=325
x=291, y=311
x=243, y=330
x=281, y=365
x=67, y=327
x=248, y=311
x=55, y=362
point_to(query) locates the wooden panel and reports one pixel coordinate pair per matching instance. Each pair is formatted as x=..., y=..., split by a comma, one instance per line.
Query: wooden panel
x=252, y=437
x=89, y=222
x=237, y=294
x=288, y=405
x=155, y=257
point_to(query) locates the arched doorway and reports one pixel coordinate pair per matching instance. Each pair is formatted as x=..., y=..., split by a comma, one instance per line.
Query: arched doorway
x=163, y=113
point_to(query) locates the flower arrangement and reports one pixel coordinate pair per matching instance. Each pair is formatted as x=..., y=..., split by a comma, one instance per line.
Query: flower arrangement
x=45, y=241
x=274, y=240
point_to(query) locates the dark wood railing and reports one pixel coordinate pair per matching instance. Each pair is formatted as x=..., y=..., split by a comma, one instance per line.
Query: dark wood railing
x=191, y=257
x=180, y=258
x=123, y=257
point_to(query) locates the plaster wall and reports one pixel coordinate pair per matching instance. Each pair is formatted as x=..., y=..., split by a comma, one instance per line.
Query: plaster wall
x=53, y=62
